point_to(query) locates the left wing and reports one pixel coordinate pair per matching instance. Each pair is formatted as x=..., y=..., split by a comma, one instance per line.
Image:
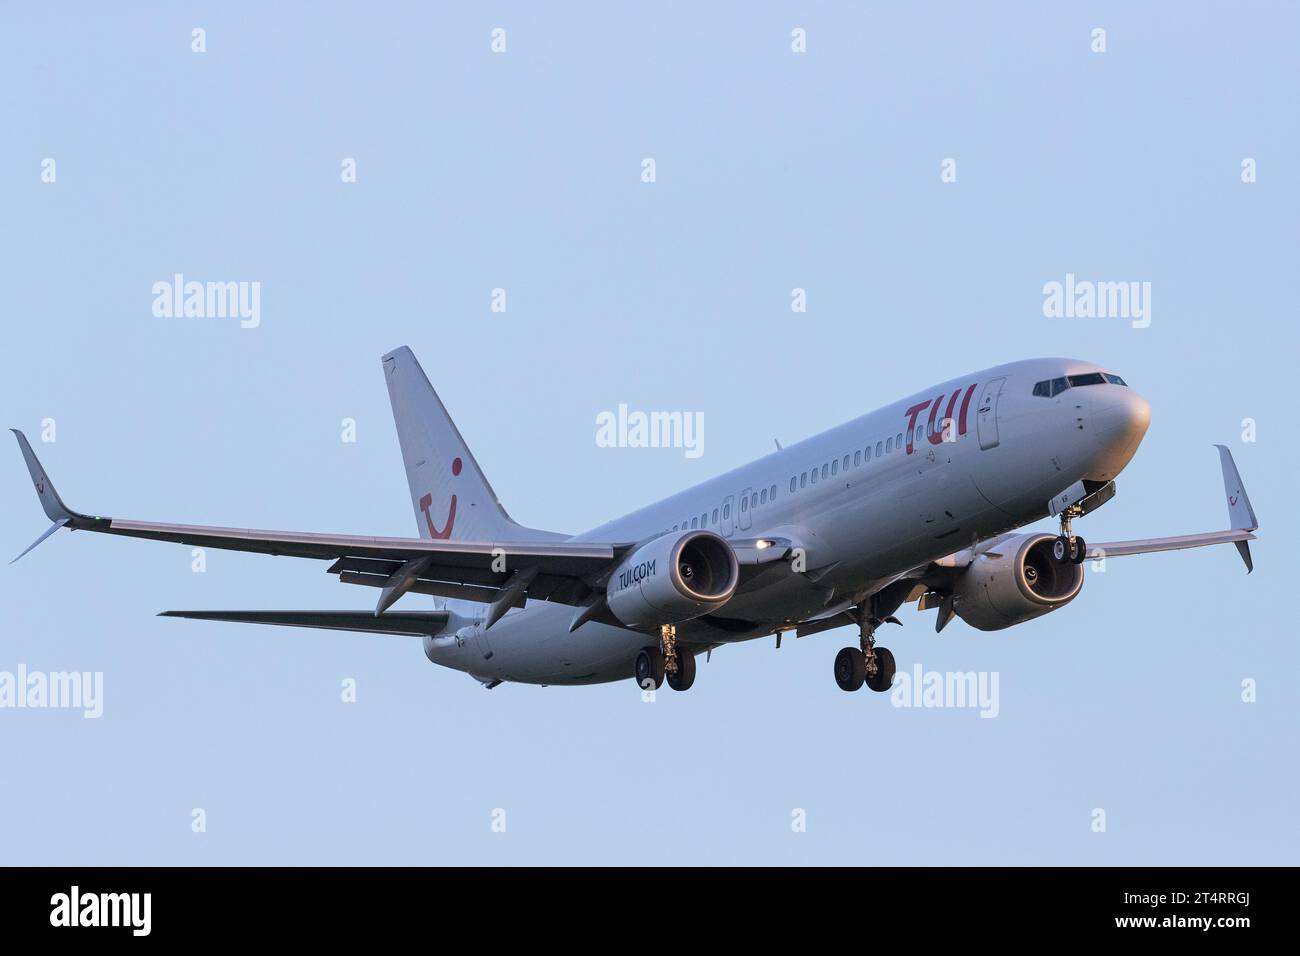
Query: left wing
x=502, y=574
x=563, y=571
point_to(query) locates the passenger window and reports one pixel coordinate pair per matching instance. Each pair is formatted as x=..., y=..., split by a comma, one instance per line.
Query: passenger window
x=889, y=445
x=846, y=462
x=772, y=496
x=803, y=480
x=704, y=520
x=899, y=442
x=753, y=500
x=824, y=467
x=793, y=482
x=814, y=476
x=879, y=446
x=857, y=458
x=715, y=515
x=835, y=467
x=762, y=498
x=726, y=512
x=744, y=504
x=695, y=522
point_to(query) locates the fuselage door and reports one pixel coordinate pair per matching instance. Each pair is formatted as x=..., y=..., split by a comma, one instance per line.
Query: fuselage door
x=743, y=517
x=987, y=416
x=727, y=519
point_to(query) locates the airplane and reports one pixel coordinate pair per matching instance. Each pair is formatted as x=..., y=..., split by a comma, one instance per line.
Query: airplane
x=920, y=501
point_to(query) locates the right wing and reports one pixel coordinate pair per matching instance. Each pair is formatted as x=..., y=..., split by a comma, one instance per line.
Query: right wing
x=1241, y=516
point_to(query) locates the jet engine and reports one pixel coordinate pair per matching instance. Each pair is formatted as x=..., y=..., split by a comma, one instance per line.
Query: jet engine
x=674, y=578
x=1020, y=582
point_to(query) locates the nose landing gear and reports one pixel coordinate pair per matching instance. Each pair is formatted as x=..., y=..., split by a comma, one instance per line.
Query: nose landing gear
x=1069, y=548
x=867, y=663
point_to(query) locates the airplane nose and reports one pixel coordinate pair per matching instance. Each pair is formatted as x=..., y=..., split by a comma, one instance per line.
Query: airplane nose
x=1122, y=417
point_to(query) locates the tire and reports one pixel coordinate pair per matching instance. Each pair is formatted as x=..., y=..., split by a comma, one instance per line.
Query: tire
x=685, y=675
x=1079, y=551
x=850, y=669
x=1061, y=549
x=883, y=679
x=649, y=667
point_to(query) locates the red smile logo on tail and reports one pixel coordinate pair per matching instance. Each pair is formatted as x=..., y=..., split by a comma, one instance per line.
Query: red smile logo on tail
x=427, y=500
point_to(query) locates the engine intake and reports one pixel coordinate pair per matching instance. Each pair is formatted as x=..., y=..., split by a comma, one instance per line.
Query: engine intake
x=673, y=578
x=1021, y=583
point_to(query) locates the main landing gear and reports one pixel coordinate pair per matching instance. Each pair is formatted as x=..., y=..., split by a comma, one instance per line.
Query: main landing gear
x=1068, y=548
x=653, y=664
x=866, y=664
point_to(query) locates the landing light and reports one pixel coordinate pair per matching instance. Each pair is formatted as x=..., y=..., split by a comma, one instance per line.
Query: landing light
x=762, y=543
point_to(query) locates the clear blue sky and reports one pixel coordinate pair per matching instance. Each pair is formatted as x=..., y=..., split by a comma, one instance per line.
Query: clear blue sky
x=522, y=171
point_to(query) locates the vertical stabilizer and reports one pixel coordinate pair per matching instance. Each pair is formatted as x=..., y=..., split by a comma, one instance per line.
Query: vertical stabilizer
x=451, y=496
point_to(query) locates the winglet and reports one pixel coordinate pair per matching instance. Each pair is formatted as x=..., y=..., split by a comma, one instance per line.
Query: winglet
x=1240, y=513
x=54, y=507
x=48, y=531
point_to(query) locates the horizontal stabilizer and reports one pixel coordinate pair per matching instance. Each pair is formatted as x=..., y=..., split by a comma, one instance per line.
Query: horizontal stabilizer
x=413, y=623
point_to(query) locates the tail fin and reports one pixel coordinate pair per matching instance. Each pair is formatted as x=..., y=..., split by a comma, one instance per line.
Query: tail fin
x=451, y=496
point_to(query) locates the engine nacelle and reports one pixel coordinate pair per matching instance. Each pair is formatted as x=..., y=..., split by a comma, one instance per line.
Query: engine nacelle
x=1022, y=583
x=674, y=578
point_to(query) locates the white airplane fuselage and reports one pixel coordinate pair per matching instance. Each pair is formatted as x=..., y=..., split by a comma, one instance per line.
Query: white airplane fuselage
x=963, y=460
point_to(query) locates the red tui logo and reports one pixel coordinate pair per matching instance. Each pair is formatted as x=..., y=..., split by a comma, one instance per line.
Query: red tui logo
x=934, y=428
x=427, y=501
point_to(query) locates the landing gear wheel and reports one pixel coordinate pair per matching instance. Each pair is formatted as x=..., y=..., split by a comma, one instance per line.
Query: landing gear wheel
x=883, y=678
x=649, y=668
x=684, y=677
x=850, y=668
x=1077, y=551
x=1061, y=549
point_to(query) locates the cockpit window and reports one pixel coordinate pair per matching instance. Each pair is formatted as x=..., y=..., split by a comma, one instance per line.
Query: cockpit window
x=1091, y=378
x=1051, y=387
